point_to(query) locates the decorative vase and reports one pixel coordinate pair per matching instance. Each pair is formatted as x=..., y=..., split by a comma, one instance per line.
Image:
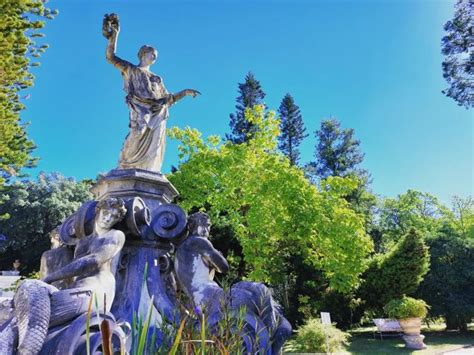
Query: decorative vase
x=412, y=328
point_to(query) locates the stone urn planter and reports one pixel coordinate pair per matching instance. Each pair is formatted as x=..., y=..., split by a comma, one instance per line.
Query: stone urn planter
x=412, y=333
x=409, y=313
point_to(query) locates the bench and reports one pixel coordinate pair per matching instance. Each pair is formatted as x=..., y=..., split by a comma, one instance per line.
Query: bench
x=387, y=327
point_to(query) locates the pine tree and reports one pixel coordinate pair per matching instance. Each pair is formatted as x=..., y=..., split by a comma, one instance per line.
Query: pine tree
x=458, y=48
x=19, y=22
x=337, y=151
x=292, y=130
x=250, y=94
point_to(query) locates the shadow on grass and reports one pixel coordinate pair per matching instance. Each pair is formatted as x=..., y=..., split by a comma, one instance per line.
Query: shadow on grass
x=437, y=342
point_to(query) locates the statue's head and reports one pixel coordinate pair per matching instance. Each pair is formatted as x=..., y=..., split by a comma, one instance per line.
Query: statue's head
x=109, y=212
x=199, y=224
x=55, y=239
x=147, y=55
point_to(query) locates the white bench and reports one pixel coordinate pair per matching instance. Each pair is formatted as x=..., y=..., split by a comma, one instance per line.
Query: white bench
x=387, y=327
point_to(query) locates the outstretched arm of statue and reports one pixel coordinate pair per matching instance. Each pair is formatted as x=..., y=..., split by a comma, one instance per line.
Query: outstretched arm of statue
x=91, y=263
x=174, y=98
x=110, y=30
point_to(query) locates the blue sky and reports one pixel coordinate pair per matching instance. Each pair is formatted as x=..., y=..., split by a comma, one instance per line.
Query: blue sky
x=374, y=65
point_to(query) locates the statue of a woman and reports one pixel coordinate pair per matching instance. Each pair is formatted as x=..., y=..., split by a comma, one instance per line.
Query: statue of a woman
x=148, y=101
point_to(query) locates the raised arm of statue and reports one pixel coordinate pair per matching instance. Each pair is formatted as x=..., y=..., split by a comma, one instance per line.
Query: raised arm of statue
x=110, y=30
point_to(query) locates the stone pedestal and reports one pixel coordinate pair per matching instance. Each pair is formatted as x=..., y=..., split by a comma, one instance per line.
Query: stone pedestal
x=134, y=291
x=152, y=187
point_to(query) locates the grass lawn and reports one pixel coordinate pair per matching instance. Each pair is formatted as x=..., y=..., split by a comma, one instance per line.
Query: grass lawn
x=436, y=338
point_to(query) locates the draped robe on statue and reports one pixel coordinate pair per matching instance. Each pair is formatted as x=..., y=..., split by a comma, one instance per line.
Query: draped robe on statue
x=146, y=98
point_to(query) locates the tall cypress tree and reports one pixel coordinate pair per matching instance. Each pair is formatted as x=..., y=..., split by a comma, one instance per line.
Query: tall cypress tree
x=250, y=94
x=292, y=130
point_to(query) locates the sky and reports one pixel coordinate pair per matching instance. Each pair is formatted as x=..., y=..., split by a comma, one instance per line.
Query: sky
x=373, y=65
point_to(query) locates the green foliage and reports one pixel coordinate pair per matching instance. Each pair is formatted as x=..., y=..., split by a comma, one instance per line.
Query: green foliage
x=396, y=273
x=337, y=152
x=413, y=209
x=462, y=217
x=272, y=208
x=292, y=130
x=314, y=337
x=193, y=336
x=449, y=285
x=250, y=94
x=406, y=307
x=35, y=208
x=20, y=21
x=458, y=48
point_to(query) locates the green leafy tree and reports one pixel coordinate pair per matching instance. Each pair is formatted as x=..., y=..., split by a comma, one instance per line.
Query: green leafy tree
x=273, y=209
x=462, y=217
x=397, y=273
x=250, y=94
x=292, y=130
x=20, y=21
x=337, y=153
x=458, y=48
x=413, y=209
x=35, y=208
x=449, y=286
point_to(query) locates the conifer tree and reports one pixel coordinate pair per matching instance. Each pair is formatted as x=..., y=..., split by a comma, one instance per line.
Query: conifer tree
x=458, y=49
x=397, y=273
x=337, y=151
x=250, y=94
x=19, y=23
x=292, y=130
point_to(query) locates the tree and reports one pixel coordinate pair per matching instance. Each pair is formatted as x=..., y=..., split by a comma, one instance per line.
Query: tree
x=250, y=94
x=462, y=217
x=337, y=152
x=397, y=273
x=275, y=212
x=449, y=286
x=35, y=208
x=458, y=48
x=413, y=209
x=292, y=130
x=20, y=21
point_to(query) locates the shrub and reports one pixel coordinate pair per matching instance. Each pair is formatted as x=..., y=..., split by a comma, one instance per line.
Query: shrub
x=406, y=307
x=316, y=337
x=397, y=273
x=449, y=285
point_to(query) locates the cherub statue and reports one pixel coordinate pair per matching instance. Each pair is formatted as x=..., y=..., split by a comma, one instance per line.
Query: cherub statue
x=39, y=305
x=147, y=99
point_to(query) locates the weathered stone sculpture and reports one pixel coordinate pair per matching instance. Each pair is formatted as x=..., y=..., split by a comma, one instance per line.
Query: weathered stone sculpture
x=130, y=245
x=147, y=100
x=39, y=306
x=56, y=258
x=195, y=262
